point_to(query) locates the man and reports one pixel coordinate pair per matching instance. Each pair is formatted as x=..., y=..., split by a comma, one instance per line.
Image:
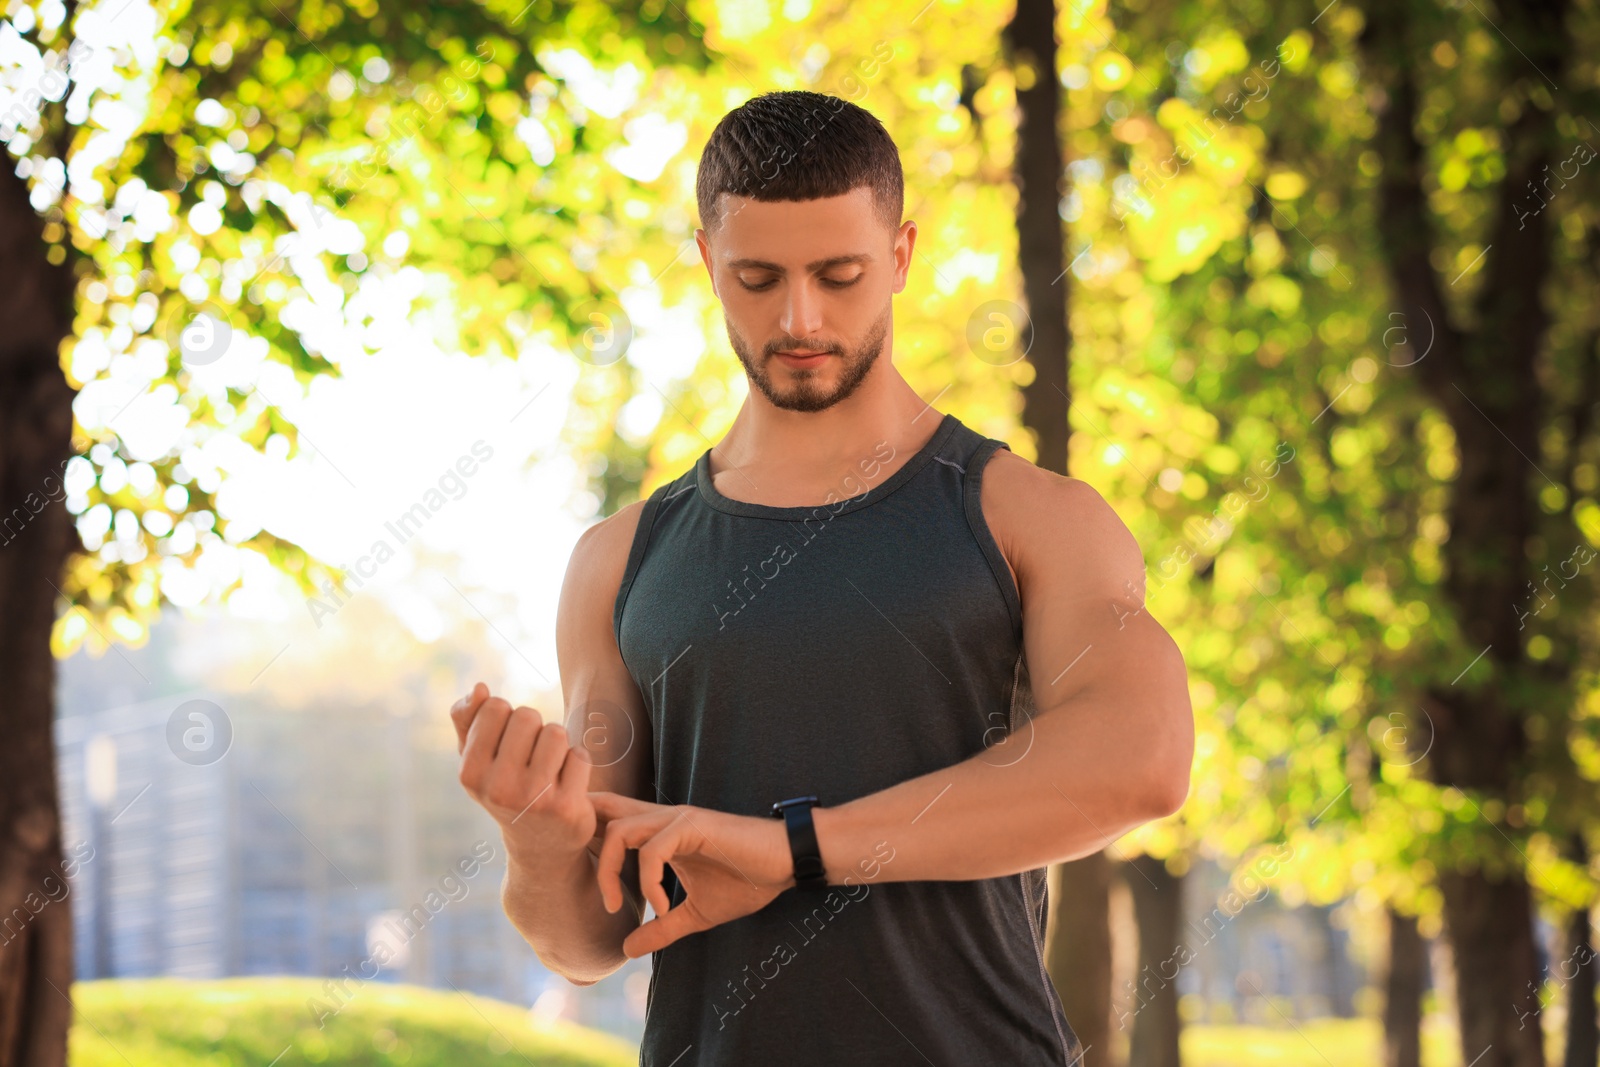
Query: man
x=843, y=599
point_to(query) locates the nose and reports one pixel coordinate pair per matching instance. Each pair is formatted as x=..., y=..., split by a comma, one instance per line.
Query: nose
x=802, y=312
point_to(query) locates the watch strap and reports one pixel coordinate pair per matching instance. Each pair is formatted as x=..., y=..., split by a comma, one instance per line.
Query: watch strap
x=809, y=872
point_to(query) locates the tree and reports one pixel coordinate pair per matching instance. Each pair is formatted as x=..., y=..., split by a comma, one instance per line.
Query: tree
x=1079, y=932
x=1504, y=515
x=1268, y=167
x=217, y=189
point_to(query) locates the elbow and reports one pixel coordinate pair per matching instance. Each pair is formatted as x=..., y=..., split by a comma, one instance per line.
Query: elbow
x=1167, y=793
x=1167, y=781
x=580, y=973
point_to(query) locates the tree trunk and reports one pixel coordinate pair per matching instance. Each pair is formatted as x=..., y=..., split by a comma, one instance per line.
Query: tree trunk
x=1031, y=46
x=1491, y=930
x=1583, y=1029
x=1158, y=910
x=1079, y=928
x=1484, y=379
x=1402, y=1004
x=1078, y=951
x=36, y=534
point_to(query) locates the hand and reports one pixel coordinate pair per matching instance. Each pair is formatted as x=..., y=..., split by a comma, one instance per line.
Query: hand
x=729, y=865
x=523, y=772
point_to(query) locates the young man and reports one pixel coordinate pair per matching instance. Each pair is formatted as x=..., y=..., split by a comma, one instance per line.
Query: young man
x=936, y=650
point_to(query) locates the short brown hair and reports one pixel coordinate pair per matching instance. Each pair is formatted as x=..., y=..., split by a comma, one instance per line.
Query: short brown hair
x=799, y=145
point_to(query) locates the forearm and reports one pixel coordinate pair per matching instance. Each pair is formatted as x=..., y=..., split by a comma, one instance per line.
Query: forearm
x=558, y=910
x=1075, y=789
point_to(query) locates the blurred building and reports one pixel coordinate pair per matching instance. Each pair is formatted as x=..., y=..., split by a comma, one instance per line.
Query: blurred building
x=235, y=835
x=232, y=839
x=1254, y=949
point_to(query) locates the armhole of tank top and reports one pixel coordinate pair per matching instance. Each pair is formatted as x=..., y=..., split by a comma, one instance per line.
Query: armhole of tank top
x=641, y=538
x=980, y=530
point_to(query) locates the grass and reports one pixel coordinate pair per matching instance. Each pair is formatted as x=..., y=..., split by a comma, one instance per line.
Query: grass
x=254, y=1022
x=268, y=1022
x=1313, y=1043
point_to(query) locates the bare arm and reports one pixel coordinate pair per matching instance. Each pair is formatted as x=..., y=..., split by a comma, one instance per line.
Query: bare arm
x=1111, y=743
x=1109, y=748
x=547, y=820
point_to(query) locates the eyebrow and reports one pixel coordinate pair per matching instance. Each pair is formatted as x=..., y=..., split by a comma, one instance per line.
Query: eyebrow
x=814, y=265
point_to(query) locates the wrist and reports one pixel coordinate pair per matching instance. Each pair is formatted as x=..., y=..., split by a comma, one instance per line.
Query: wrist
x=780, y=846
x=826, y=821
x=796, y=819
x=844, y=844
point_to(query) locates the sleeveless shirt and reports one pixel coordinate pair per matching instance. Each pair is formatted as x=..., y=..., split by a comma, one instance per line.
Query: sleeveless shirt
x=839, y=649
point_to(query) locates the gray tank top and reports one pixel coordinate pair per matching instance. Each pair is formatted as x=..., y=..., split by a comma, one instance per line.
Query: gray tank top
x=839, y=650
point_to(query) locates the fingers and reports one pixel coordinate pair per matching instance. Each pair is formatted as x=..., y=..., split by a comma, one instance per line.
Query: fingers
x=663, y=930
x=463, y=711
x=608, y=805
x=483, y=737
x=621, y=835
x=518, y=742
x=549, y=752
x=509, y=777
x=608, y=866
x=653, y=856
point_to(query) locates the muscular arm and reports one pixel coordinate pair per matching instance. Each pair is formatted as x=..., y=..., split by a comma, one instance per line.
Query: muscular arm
x=1111, y=743
x=557, y=906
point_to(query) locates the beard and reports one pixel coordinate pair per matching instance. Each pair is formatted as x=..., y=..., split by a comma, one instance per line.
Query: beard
x=806, y=390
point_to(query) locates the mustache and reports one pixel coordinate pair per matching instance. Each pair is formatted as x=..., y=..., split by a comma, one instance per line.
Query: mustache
x=831, y=349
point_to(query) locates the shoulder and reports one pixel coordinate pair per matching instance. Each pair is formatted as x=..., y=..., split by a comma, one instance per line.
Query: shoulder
x=584, y=609
x=600, y=555
x=1049, y=522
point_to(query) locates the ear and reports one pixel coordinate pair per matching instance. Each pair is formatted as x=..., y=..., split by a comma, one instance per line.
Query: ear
x=702, y=240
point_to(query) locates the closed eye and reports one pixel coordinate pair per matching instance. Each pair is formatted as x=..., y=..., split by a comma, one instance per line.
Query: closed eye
x=829, y=282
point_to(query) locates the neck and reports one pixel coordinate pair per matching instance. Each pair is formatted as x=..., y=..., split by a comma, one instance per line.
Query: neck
x=798, y=448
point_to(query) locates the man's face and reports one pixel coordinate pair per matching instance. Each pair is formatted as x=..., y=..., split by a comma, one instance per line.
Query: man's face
x=813, y=276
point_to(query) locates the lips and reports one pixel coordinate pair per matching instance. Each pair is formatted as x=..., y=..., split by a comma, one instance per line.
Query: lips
x=809, y=359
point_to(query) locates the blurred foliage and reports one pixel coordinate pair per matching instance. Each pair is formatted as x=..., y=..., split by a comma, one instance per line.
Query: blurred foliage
x=241, y=174
x=1245, y=396
x=1242, y=391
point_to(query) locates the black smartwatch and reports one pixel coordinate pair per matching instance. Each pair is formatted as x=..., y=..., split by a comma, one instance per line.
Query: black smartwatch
x=796, y=815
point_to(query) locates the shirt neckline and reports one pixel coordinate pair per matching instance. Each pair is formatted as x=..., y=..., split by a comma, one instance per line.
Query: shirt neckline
x=919, y=459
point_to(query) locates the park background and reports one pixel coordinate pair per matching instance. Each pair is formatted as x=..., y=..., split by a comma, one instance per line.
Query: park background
x=327, y=328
